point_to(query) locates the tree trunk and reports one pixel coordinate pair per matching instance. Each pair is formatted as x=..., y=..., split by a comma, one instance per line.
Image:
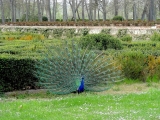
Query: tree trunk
x=152, y=11
x=39, y=11
x=145, y=10
x=33, y=10
x=12, y=10
x=104, y=10
x=26, y=10
x=90, y=10
x=54, y=9
x=2, y=12
x=74, y=10
x=83, y=16
x=19, y=11
x=134, y=11
x=65, y=17
x=87, y=10
x=125, y=10
x=42, y=7
x=95, y=5
x=116, y=7
x=48, y=10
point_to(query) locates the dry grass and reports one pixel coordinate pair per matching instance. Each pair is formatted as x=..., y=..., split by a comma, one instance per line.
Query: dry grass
x=116, y=89
x=131, y=88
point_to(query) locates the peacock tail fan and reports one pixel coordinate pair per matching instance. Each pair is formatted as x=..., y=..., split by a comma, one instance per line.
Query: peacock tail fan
x=61, y=68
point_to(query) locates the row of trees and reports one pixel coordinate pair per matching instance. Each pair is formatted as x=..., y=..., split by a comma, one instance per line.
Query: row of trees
x=34, y=10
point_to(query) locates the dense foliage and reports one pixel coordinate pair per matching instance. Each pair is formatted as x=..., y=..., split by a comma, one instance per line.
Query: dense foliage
x=16, y=74
x=119, y=18
x=101, y=42
x=138, y=60
x=117, y=22
x=155, y=37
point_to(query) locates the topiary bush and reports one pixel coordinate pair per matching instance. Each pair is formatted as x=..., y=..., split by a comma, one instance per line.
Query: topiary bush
x=118, y=18
x=44, y=18
x=16, y=74
x=100, y=41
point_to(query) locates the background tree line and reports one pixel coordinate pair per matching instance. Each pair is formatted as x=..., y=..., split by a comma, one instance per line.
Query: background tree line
x=51, y=10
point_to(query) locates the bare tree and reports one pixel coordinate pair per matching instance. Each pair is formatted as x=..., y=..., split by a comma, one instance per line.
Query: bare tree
x=12, y=10
x=90, y=10
x=48, y=9
x=104, y=9
x=125, y=9
x=116, y=7
x=33, y=10
x=2, y=12
x=27, y=9
x=39, y=11
x=134, y=10
x=73, y=7
x=65, y=16
x=83, y=15
x=152, y=10
x=54, y=9
x=145, y=10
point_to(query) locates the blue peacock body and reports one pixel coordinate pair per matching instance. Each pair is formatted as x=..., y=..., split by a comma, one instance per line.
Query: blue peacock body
x=68, y=68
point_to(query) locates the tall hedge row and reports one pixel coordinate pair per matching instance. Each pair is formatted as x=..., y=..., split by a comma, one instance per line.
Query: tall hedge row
x=100, y=41
x=16, y=74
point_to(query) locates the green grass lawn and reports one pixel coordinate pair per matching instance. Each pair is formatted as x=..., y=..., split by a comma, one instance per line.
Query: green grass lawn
x=85, y=106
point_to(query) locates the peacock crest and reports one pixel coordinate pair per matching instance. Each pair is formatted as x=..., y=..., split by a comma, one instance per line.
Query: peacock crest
x=67, y=68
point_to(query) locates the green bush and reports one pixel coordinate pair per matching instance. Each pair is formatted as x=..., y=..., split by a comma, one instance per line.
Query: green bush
x=126, y=38
x=16, y=74
x=106, y=31
x=44, y=18
x=122, y=33
x=33, y=18
x=69, y=33
x=155, y=37
x=133, y=64
x=100, y=41
x=1, y=90
x=118, y=18
x=57, y=32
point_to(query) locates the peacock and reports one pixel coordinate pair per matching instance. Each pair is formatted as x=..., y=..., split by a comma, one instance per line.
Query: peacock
x=67, y=68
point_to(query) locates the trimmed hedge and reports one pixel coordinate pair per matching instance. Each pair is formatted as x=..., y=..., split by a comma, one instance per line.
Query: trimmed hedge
x=100, y=41
x=16, y=74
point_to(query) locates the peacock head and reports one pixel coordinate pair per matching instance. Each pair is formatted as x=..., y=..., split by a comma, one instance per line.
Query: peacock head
x=82, y=77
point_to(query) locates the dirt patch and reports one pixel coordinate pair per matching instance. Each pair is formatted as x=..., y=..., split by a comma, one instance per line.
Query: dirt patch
x=116, y=89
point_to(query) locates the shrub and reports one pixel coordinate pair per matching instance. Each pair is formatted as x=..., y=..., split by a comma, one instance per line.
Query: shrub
x=69, y=33
x=57, y=32
x=106, y=31
x=155, y=37
x=126, y=38
x=100, y=41
x=82, y=32
x=122, y=32
x=16, y=74
x=118, y=18
x=44, y=18
x=141, y=65
x=33, y=18
x=133, y=64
